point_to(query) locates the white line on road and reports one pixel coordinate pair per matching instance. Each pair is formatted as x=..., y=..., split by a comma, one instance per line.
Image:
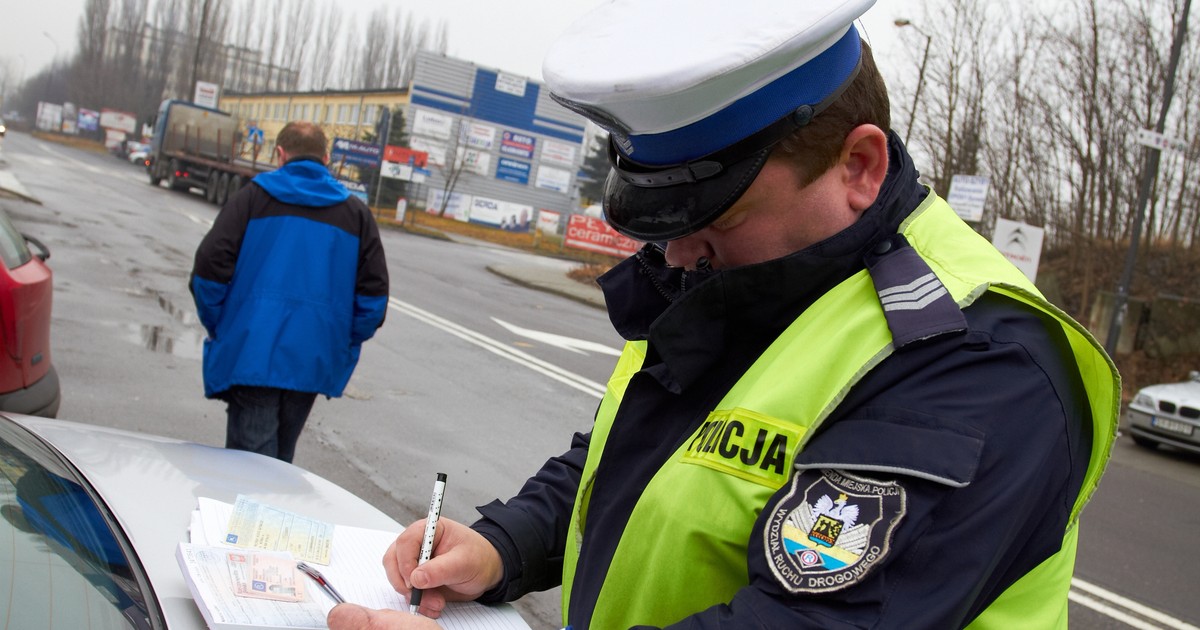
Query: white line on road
x=566, y=377
x=1082, y=593
x=1122, y=602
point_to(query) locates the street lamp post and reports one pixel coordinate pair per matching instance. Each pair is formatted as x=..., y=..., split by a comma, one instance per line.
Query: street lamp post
x=50, y=72
x=912, y=113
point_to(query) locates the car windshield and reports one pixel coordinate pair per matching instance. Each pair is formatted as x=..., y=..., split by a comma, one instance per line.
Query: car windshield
x=13, y=250
x=68, y=570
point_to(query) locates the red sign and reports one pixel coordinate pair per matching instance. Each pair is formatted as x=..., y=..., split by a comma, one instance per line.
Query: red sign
x=592, y=234
x=404, y=155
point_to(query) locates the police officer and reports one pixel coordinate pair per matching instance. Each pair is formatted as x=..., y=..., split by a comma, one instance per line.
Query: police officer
x=838, y=405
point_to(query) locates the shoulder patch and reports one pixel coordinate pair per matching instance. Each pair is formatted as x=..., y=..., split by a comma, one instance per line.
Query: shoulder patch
x=831, y=529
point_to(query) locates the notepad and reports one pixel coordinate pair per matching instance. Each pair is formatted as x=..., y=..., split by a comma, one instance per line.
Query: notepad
x=355, y=568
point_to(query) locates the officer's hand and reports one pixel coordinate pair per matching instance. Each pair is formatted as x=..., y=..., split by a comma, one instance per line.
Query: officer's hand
x=355, y=617
x=464, y=565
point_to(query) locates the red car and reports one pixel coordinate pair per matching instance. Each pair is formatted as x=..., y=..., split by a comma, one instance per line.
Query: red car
x=28, y=382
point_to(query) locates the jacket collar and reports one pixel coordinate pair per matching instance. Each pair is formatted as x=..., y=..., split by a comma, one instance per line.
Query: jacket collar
x=693, y=319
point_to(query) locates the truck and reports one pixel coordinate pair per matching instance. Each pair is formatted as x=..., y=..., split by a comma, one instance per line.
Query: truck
x=200, y=147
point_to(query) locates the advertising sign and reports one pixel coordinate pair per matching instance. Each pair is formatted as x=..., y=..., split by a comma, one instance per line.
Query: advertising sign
x=70, y=119
x=354, y=152
x=502, y=214
x=405, y=172
x=968, y=193
x=594, y=235
x=435, y=152
x=547, y=221
x=121, y=121
x=207, y=94
x=89, y=119
x=357, y=189
x=474, y=161
x=512, y=171
x=113, y=138
x=49, y=116
x=517, y=144
x=1021, y=244
x=428, y=123
x=555, y=179
x=457, y=208
x=559, y=153
x=404, y=155
x=510, y=84
x=480, y=136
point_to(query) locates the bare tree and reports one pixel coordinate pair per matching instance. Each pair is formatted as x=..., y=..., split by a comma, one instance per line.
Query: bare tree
x=321, y=63
x=88, y=74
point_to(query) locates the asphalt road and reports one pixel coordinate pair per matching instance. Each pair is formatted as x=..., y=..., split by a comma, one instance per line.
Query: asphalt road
x=472, y=374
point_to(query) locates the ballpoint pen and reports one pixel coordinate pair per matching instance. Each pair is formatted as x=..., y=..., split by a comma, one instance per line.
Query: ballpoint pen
x=321, y=581
x=435, y=511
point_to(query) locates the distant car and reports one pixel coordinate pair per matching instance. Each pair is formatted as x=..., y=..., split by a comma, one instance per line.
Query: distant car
x=138, y=151
x=3, y=128
x=28, y=381
x=1167, y=414
x=92, y=517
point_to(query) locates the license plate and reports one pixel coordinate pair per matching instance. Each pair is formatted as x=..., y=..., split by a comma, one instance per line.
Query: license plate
x=1174, y=426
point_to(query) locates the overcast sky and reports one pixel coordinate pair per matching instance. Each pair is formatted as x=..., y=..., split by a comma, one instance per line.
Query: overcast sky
x=509, y=36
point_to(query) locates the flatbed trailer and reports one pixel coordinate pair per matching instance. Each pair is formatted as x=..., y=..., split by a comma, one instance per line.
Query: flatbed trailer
x=200, y=147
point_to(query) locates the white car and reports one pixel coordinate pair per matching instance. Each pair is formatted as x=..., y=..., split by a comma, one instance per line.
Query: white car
x=92, y=518
x=1167, y=414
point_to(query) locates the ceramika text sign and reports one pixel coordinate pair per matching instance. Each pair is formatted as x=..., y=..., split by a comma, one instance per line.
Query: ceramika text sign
x=594, y=235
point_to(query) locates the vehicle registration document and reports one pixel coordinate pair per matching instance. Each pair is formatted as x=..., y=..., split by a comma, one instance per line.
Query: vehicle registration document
x=354, y=566
x=257, y=525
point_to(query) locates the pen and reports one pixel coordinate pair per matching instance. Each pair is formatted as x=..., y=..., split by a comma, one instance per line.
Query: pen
x=321, y=581
x=435, y=512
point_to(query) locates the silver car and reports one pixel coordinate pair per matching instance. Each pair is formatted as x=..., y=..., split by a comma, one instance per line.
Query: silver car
x=92, y=517
x=1167, y=414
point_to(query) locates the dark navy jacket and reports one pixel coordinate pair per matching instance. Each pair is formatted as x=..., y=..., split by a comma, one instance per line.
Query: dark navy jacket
x=998, y=407
x=289, y=283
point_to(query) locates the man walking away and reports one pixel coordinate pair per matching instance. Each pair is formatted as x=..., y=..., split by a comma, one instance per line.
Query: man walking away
x=289, y=283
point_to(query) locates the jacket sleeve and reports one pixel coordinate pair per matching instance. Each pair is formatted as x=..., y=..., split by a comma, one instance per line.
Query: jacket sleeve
x=217, y=255
x=988, y=475
x=371, y=283
x=530, y=530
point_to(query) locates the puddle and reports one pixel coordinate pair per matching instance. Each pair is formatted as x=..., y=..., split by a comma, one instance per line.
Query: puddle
x=188, y=344
x=185, y=315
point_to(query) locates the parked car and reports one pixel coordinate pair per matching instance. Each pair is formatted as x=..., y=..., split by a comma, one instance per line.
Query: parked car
x=1167, y=414
x=138, y=152
x=92, y=517
x=28, y=381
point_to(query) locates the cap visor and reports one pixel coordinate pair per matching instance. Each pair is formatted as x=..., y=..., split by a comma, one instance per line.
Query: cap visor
x=671, y=212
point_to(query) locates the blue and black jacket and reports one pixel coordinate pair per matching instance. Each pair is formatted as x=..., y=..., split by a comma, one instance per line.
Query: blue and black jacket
x=289, y=283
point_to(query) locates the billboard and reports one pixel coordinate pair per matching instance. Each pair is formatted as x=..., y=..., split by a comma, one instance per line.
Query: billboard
x=594, y=235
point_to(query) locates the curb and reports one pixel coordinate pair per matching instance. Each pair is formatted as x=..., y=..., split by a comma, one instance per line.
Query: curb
x=583, y=295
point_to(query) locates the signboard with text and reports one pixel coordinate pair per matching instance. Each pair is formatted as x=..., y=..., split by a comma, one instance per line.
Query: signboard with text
x=1021, y=244
x=968, y=194
x=517, y=144
x=121, y=121
x=354, y=152
x=594, y=235
x=405, y=155
x=514, y=171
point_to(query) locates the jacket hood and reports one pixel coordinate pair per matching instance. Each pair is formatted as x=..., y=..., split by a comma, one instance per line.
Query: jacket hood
x=303, y=182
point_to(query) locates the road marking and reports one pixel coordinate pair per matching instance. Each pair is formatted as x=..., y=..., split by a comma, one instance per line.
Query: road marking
x=565, y=377
x=578, y=346
x=1117, y=602
x=1083, y=593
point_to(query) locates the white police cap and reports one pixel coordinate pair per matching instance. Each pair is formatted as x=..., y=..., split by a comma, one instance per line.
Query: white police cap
x=694, y=93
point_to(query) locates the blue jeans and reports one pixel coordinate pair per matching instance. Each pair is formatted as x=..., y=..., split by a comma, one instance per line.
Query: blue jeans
x=266, y=420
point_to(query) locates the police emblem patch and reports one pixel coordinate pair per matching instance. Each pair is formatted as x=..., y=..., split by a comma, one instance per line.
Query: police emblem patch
x=830, y=530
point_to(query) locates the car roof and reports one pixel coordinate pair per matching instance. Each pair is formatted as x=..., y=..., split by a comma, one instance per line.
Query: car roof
x=151, y=484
